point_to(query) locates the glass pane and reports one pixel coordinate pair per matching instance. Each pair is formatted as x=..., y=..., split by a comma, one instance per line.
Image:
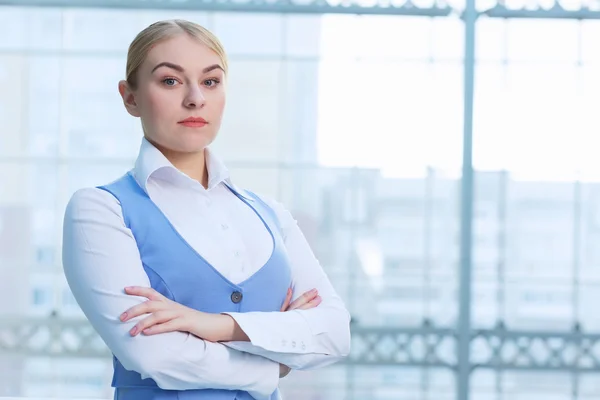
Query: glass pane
x=542, y=40
x=303, y=35
x=399, y=109
x=46, y=82
x=490, y=43
x=590, y=52
x=251, y=126
x=16, y=237
x=524, y=110
x=99, y=30
x=13, y=28
x=268, y=40
x=13, y=103
x=44, y=29
x=72, y=378
x=448, y=39
x=95, y=118
x=386, y=37
x=534, y=135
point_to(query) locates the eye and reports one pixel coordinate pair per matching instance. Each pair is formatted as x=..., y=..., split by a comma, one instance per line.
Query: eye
x=170, y=81
x=211, y=82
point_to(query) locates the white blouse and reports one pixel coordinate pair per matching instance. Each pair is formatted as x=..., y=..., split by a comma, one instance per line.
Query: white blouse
x=101, y=258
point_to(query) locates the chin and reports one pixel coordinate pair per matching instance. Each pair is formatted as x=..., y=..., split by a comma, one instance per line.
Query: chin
x=192, y=145
x=183, y=142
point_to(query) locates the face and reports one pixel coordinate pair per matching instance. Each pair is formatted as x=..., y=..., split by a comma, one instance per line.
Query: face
x=179, y=95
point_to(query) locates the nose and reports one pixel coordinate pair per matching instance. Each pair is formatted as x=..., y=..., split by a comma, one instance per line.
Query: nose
x=194, y=98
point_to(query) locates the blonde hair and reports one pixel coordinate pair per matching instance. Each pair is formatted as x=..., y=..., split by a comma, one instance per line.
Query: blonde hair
x=163, y=30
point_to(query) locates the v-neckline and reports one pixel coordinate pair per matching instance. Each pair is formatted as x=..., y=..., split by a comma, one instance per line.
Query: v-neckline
x=215, y=270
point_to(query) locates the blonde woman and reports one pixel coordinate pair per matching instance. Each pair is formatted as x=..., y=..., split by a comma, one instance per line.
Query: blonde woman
x=201, y=290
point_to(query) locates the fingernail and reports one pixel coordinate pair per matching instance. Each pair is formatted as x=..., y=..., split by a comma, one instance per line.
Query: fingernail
x=134, y=330
x=313, y=291
x=123, y=316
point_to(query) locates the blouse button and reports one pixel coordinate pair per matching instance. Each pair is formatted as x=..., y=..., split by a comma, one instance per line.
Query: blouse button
x=236, y=297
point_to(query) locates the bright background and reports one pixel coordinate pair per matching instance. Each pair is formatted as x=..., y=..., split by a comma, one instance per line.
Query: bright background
x=356, y=124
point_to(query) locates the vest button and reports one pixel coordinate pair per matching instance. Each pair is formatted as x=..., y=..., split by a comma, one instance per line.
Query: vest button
x=236, y=297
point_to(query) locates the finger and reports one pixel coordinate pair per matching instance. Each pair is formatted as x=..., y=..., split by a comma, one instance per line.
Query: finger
x=146, y=307
x=146, y=292
x=156, y=318
x=288, y=298
x=311, y=304
x=173, y=325
x=284, y=370
x=305, y=298
x=302, y=300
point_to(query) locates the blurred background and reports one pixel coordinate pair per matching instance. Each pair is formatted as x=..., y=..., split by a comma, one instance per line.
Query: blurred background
x=441, y=158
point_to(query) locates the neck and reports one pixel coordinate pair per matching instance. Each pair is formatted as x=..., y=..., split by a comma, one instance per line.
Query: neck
x=191, y=164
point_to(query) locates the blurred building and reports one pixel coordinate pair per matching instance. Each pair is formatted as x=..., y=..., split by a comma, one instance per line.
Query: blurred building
x=343, y=122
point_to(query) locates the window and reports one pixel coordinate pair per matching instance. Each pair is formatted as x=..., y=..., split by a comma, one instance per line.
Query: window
x=45, y=256
x=41, y=297
x=68, y=300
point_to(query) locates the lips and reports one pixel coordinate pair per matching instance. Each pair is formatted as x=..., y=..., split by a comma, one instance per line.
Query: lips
x=193, y=119
x=193, y=122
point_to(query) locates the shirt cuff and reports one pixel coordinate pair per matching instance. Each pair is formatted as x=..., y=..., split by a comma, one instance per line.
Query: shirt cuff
x=285, y=332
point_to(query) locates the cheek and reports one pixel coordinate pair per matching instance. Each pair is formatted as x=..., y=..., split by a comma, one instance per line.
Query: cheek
x=219, y=102
x=157, y=104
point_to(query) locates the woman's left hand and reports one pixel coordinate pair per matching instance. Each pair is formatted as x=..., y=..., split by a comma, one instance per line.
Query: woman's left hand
x=165, y=314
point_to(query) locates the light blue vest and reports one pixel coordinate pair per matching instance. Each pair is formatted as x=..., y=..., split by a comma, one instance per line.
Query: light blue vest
x=181, y=274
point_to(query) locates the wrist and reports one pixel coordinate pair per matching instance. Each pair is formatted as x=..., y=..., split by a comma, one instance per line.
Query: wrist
x=200, y=321
x=211, y=327
x=217, y=328
x=229, y=330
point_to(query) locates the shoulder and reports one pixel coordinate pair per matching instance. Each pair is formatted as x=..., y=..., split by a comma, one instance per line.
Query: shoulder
x=284, y=216
x=270, y=201
x=91, y=202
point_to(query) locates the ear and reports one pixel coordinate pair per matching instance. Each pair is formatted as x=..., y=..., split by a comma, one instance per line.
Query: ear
x=128, y=98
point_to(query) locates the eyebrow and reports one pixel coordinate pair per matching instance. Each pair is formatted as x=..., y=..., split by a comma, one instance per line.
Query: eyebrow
x=212, y=68
x=180, y=68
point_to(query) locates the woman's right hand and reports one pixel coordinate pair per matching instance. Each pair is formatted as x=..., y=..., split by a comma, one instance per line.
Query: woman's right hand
x=308, y=300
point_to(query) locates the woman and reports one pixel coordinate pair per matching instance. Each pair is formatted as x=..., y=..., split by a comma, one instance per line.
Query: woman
x=200, y=289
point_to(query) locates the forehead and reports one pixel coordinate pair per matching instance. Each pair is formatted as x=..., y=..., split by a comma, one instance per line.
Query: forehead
x=184, y=50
